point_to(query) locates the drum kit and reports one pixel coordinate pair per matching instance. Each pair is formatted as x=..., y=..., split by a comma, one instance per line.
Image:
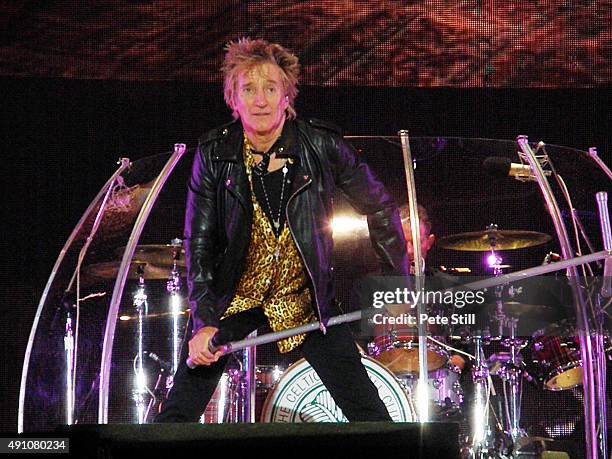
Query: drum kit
x=456, y=364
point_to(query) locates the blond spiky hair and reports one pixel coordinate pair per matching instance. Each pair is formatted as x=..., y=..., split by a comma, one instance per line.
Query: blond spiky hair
x=245, y=53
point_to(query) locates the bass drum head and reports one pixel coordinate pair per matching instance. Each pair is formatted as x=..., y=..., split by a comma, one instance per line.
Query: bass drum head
x=300, y=396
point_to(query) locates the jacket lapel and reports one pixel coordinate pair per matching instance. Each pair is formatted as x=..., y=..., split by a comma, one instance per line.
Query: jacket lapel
x=230, y=151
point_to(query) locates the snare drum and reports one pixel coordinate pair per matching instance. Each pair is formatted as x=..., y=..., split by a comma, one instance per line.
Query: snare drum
x=300, y=396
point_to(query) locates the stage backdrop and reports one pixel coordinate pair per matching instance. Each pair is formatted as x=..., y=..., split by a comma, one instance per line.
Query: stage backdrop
x=423, y=43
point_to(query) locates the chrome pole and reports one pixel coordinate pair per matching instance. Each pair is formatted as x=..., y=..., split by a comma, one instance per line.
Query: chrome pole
x=173, y=286
x=140, y=383
x=69, y=351
x=248, y=386
x=480, y=414
x=419, y=271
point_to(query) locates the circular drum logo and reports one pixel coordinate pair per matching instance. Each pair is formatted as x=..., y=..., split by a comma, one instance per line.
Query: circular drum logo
x=300, y=396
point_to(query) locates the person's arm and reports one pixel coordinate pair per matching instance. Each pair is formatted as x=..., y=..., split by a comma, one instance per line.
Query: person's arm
x=369, y=197
x=201, y=242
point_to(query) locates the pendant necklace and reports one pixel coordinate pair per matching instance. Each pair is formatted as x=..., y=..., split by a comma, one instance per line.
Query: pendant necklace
x=275, y=220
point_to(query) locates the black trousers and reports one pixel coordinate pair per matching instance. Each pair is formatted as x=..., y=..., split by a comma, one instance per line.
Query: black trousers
x=333, y=356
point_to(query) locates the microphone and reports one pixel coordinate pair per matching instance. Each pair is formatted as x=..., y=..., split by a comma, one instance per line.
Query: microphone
x=503, y=167
x=167, y=366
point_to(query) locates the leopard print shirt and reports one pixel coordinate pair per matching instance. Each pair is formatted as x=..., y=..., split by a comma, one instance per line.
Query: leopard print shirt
x=274, y=278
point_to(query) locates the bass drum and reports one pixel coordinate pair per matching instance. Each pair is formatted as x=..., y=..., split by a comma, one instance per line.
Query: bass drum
x=300, y=396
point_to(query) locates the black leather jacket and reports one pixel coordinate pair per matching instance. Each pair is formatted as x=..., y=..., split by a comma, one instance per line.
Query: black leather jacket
x=219, y=213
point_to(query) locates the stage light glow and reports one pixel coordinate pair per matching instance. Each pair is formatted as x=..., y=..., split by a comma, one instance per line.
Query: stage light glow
x=422, y=396
x=478, y=416
x=493, y=260
x=344, y=226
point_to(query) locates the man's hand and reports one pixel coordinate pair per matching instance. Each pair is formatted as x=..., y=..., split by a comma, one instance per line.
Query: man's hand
x=198, y=347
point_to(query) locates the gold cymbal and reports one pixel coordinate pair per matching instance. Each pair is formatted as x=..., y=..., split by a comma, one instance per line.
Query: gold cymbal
x=157, y=254
x=108, y=270
x=484, y=241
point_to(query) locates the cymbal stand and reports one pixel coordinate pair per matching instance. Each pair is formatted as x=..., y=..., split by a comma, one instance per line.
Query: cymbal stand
x=69, y=351
x=248, y=382
x=173, y=286
x=140, y=384
x=480, y=418
x=511, y=372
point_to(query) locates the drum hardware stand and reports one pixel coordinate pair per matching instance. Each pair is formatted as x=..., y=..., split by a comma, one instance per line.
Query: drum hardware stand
x=243, y=384
x=480, y=416
x=510, y=372
x=248, y=382
x=173, y=286
x=140, y=389
x=69, y=351
x=157, y=390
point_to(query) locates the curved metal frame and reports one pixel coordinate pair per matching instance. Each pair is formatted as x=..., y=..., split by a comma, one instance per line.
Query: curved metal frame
x=586, y=349
x=124, y=164
x=111, y=318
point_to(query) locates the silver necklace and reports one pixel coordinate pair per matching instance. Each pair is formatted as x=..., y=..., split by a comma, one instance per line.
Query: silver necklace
x=275, y=221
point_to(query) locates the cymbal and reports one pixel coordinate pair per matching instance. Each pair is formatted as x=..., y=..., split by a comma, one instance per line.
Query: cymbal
x=108, y=270
x=156, y=254
x=484, y=241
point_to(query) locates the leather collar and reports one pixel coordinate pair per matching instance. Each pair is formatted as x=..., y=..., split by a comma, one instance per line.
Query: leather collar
x=231, y=136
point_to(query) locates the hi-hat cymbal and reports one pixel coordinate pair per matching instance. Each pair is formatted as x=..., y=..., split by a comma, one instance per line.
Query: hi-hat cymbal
x=108, y=270
x=484, y=241
x=157, y=254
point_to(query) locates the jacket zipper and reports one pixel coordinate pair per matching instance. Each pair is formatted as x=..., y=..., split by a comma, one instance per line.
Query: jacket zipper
x=322, y=327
